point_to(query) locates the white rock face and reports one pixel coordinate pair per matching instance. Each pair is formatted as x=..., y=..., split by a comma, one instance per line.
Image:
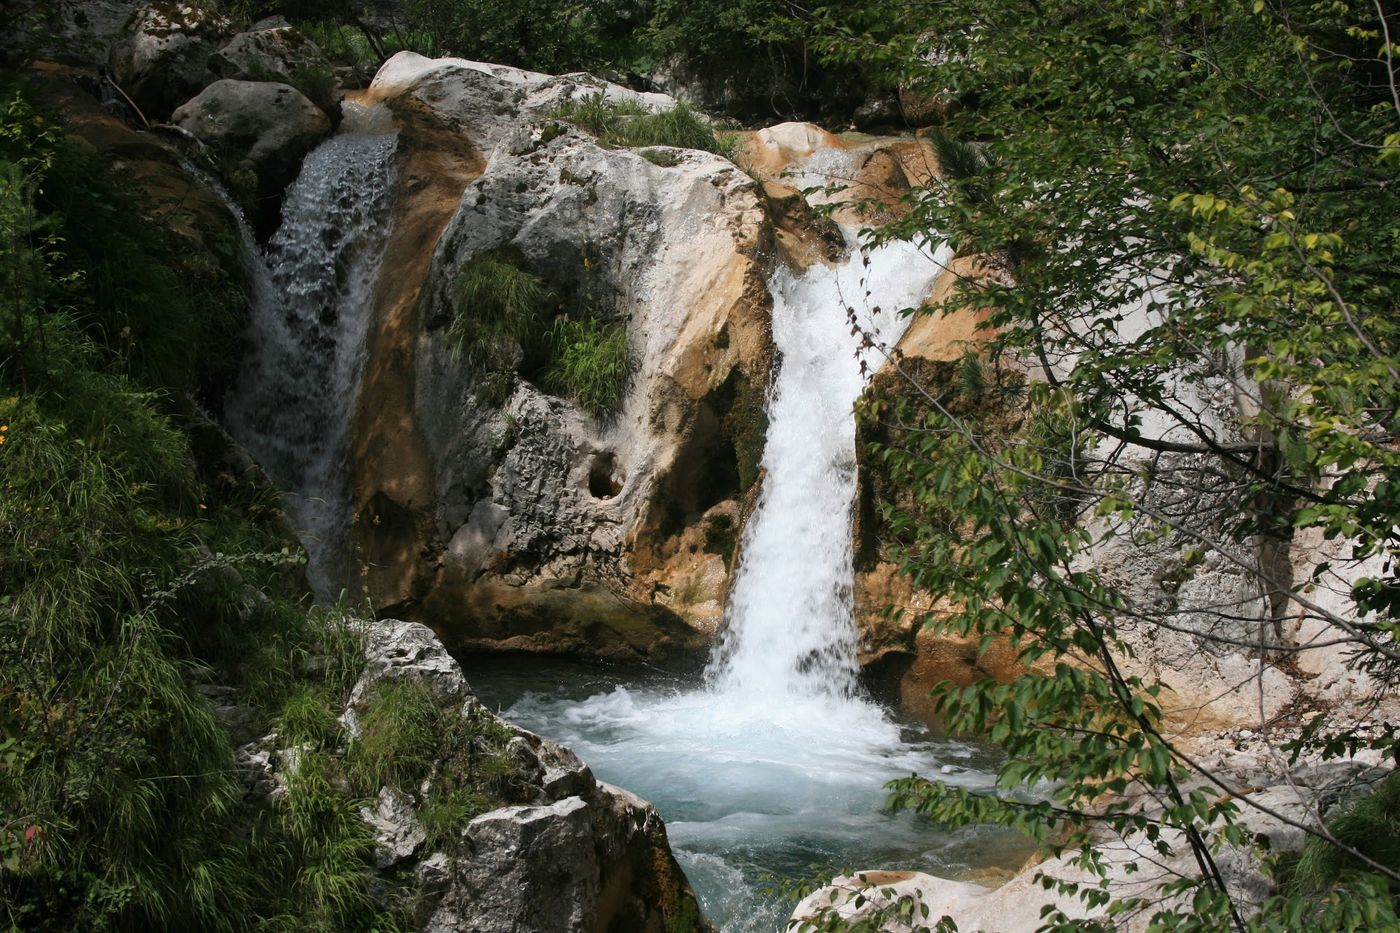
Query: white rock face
x=548, y=529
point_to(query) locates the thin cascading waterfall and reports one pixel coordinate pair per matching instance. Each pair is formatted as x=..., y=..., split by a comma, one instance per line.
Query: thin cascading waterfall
x=791, y=631
x=312, y=301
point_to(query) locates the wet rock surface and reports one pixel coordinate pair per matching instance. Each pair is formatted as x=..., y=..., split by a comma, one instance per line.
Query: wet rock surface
x=258, y=127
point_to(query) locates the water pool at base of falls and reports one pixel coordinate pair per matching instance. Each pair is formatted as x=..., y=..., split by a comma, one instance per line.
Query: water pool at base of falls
x=770, y=766
x=753, y=795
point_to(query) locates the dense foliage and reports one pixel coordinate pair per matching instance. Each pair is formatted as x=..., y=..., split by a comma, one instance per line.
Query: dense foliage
x=1189, y=214
x=136, y=587
x=753, y=58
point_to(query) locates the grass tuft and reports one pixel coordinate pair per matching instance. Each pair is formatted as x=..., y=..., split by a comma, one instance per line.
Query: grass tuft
x=627, y=124
x=592, y=365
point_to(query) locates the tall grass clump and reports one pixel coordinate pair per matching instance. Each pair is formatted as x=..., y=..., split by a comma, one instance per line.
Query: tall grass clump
x=498, y=310
x=592, y=364
x=597, y=114
x=1370, y=825
x=627, y=124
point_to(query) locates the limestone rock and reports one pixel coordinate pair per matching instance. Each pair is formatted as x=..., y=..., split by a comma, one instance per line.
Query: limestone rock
x=397, y=832
x=1017, y=904
x=162, y=59
x=858, y=897
x=279, y=52
x=527, y=525
x=261, y=127
x=580, y=855
x=533, y=868
x=921, y=107
x=397, y=650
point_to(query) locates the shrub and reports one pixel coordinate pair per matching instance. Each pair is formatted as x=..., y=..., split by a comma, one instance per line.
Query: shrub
x=123, y=582
x=592, y=364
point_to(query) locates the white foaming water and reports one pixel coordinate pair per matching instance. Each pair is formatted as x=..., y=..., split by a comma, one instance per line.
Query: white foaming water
x=791, y=633
x=311, y=306
x=778, y=761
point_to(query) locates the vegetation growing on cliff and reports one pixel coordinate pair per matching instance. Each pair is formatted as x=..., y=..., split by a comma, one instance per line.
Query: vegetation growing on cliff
x=629, y=124
x=506, y=322
x=1195, y=208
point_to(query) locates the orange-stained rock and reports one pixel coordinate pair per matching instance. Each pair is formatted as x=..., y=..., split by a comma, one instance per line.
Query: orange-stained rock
x=949, y=336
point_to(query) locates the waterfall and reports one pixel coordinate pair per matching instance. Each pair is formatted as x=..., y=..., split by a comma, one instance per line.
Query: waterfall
x=312, y=301
x=776, y=761
x=791, y=631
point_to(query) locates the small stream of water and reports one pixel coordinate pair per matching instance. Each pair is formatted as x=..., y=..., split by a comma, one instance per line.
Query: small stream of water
x=312, y=301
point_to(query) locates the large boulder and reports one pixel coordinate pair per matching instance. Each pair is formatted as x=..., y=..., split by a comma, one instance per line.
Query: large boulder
x=523, y=523
x=280, y=53
x=162, y=58
x=257, y=131
x=79, y=32
x=579, y=855
x=566, y=852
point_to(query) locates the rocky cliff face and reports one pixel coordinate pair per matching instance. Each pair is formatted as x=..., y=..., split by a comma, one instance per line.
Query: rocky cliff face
x=525, y=523
x=572, y=854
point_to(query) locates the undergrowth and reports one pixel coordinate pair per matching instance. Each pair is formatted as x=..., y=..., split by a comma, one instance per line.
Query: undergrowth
x=135, y=584
x=454, y=762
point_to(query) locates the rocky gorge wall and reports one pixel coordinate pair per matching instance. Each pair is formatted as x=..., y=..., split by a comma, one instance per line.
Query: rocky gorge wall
x=526, y=524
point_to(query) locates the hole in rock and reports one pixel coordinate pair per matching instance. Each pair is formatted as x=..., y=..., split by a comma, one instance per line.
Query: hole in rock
x=603, y=479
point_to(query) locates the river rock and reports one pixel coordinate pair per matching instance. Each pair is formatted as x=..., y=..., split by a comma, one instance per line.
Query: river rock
x=279, y=52
x=535, y=868
x=583, y=856
x=256, y=127
x=162, y=58
x=1134, y=869
x=574, y=854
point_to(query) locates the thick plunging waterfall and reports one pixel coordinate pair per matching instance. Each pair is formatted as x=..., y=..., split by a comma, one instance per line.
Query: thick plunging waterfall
x=790, y=633
x=312, y=303
x=776, y=762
